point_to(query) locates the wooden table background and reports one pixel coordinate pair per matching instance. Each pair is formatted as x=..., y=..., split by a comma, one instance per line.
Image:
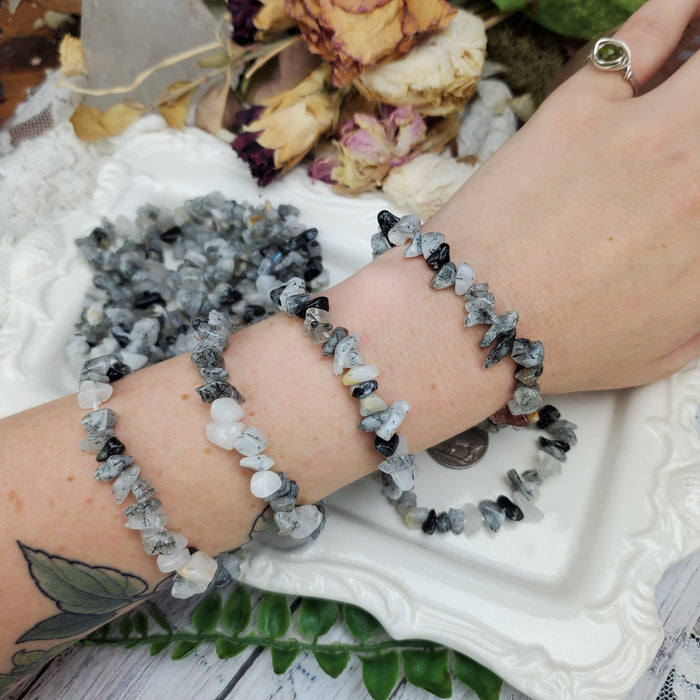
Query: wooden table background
x=115, y=673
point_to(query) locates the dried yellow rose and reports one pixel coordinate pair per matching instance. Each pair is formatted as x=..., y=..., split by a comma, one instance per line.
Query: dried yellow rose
x=278, y=133
x=272, y=19
x=258, y=20
x=353, y=36
x=438, y=76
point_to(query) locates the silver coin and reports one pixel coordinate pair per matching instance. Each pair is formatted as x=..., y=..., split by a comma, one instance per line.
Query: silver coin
x=461, y=451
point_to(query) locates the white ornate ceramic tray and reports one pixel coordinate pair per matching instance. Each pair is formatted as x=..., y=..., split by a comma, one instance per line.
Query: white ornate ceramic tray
x=560, y=609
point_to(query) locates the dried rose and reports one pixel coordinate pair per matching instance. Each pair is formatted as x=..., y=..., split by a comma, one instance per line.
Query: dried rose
x=438, y=76
x=424, y=184
x=370, y=146
x=258, y=20
x=278, y=133
x=353, y=36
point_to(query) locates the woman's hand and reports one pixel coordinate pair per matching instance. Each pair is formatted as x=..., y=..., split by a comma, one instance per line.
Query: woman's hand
x=588, y=221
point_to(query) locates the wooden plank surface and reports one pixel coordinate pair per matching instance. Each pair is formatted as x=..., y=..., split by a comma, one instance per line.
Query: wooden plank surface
x=115, y=673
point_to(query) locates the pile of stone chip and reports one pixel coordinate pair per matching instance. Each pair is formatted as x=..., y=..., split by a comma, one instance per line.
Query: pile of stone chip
x=154, y=275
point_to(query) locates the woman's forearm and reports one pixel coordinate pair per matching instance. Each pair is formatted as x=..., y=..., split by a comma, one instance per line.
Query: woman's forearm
x=53, y=503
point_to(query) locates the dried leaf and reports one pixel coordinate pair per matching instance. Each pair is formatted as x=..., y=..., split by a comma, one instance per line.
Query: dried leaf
x=291, y=66
x=175, y=111
x=86, y=123
x=218, y=59
x=118, y=117
x=217, y=109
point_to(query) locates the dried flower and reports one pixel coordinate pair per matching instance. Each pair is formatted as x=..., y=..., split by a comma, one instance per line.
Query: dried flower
x=438, y=76
x=278, y=133
x=424, y=184
x=353, y=36
x=258, y=20
x=369, y=146
x=71, y=56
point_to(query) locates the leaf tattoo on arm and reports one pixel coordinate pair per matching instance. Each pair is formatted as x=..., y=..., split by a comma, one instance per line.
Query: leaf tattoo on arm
x=87, y=596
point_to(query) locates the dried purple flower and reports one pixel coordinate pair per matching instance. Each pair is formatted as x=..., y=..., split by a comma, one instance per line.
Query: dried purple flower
x=243, y=12
x=259, y=159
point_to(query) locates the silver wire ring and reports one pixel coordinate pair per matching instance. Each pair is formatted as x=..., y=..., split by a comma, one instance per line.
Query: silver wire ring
x=614, y=55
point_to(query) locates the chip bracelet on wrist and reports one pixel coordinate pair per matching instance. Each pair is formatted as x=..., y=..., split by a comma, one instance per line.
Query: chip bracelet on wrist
x=195, y=570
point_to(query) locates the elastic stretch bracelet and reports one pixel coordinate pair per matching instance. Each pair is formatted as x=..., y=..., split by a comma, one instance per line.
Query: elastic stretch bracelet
x=168, y=283
x=226, y=430
x=361, y=379
x=194, y=569
x=524, y=410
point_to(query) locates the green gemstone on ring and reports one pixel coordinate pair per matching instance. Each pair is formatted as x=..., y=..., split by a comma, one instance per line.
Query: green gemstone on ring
x=609, y=53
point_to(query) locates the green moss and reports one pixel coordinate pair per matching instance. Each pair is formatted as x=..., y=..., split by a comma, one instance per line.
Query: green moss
x=531, y=54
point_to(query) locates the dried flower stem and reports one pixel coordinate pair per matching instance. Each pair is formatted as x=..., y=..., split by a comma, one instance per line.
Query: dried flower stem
x=171, y=95
x=170, y=61
x=268, y=51
x=493, y=20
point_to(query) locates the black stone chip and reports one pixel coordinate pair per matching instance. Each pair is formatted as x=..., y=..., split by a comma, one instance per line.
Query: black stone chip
x=314, y=303
x=113, y=446
x=364, y=389
x=439, y=257
x=430, y=523
x=171, y=234
x=149, y=299
x=512, y=511
x=559, y=444
x=313, y=268
x=443, y=522
x=386, y=447
x=117, y=370
x=386, y=221
x=548, y=414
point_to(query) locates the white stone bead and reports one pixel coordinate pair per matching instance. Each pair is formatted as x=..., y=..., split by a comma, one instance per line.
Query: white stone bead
x=372, y=404
x=180, y=540
x=134, y=360
x=466, y=276
x=92, y=394
x=147, y=521
x=265, y=483
x=106, y=347
x=225, y=410
x=184, y=588
x=355, y=375
x=547, y=465
x=401, y=447
x=531, y=512
x=173, y=561
x=265, y=284
x=404, y=229
x=309, y=518
x=399, y=409
x=93, y=314
x=473, y=519
x=403, y=479
x=257, y=462
x=416, y=516
x=121, y=487
x=296, y=285
x=200, y=567
x=342, y=351
x=224, y=434
x=251, y=442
